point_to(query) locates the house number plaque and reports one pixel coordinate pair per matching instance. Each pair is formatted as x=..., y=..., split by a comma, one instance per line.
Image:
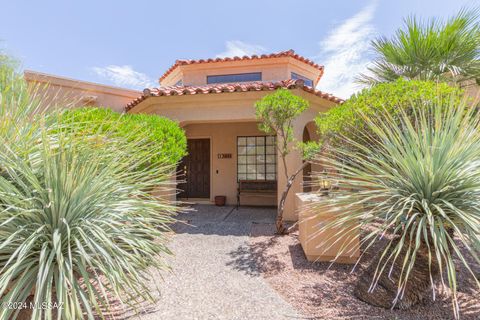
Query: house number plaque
x=224, y=156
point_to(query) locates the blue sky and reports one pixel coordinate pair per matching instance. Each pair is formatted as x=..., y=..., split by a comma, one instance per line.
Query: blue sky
x=131, y=43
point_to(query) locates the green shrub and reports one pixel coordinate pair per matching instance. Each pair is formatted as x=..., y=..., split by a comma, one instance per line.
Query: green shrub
x=346, y=119
x=166, y=140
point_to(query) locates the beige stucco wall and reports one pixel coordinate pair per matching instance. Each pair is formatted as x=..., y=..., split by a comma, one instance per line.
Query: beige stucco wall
x=321, y=244
x=473, y=91
x=270, y=72
x=275, y=69
x=219, y=115
x=67, y=93
x=223, y=172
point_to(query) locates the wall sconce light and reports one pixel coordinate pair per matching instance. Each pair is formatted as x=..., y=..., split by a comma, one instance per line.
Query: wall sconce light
x=325, y=183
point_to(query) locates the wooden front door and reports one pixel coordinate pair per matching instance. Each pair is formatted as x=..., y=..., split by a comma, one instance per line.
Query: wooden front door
x=195, y=168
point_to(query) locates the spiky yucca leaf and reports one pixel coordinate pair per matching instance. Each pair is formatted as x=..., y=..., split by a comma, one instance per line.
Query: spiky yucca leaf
x=78, y=224
x=415, y=178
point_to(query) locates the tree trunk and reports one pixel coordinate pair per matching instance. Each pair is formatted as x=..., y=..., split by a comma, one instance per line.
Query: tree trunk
x=281, y=206
x=417, y=288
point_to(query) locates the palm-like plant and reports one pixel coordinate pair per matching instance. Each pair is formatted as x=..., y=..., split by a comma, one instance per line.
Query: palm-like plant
x=78, y=225
x=413, y=179
x=429, y=50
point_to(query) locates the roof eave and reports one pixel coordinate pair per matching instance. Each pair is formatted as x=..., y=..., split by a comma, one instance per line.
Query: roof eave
x=230, y=88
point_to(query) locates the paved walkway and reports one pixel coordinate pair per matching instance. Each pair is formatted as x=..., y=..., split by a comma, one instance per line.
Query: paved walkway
x=205, y=283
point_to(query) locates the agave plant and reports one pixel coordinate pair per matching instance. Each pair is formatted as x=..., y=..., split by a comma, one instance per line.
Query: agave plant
x=78, y=225
x=412, y=182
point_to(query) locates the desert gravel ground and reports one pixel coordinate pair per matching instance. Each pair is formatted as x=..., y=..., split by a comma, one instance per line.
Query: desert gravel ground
x=206, y=282
x=320, y=292
x=228, y=264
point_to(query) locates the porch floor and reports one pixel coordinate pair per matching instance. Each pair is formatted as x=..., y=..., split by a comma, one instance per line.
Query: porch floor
x=205, y=282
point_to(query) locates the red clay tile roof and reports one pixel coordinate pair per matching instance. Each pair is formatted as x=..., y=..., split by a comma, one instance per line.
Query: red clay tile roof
x=289, y=53
x=229, y=87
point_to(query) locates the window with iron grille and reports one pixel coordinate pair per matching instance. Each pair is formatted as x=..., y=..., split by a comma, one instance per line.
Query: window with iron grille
x=256, y=158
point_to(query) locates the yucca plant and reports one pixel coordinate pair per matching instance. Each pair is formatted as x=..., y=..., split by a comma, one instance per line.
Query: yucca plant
x=77, y=228
x=78, y=225
x=412, y=182
x=18, y=105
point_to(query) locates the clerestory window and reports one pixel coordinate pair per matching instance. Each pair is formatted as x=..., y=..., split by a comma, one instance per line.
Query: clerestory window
x=232, y=78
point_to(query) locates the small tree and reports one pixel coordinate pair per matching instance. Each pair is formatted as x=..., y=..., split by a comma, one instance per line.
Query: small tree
x=277, y=111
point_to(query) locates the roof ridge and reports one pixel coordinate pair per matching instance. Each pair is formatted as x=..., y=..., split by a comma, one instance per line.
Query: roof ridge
x=286, y=53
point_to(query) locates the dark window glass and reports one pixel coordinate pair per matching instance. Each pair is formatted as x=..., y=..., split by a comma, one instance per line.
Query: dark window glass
x=231, y=78
x=179, y=83
x=307, y=81
x=256, y=158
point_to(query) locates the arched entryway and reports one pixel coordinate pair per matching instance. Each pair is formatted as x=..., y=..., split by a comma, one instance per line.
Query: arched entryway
x=309, y=134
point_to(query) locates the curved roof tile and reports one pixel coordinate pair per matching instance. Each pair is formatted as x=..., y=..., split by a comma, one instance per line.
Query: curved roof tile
x=228, y=88
x=288, y=53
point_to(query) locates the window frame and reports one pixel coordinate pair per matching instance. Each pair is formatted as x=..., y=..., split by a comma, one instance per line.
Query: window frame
x=296, y=76
x=269, y=167
x=209, y=77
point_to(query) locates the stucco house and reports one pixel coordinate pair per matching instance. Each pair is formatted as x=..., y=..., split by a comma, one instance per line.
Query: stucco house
x=213, y=101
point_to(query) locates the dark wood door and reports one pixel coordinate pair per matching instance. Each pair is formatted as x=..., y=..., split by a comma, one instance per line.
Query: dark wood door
x=195, y=168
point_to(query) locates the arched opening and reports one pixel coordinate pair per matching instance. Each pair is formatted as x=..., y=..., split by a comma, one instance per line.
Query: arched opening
x=308, y=168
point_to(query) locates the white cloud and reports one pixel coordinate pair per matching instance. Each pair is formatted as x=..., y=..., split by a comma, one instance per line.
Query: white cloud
x=240, y=48
x=124, y=76
x=344, y=52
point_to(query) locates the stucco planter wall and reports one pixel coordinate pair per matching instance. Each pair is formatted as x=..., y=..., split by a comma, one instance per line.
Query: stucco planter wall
x=321, y=246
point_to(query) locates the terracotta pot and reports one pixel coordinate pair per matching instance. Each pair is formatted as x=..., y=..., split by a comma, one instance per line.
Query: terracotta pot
x=220, y=200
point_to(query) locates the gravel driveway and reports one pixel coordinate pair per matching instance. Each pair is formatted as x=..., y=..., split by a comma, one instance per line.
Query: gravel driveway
x=205, y=282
